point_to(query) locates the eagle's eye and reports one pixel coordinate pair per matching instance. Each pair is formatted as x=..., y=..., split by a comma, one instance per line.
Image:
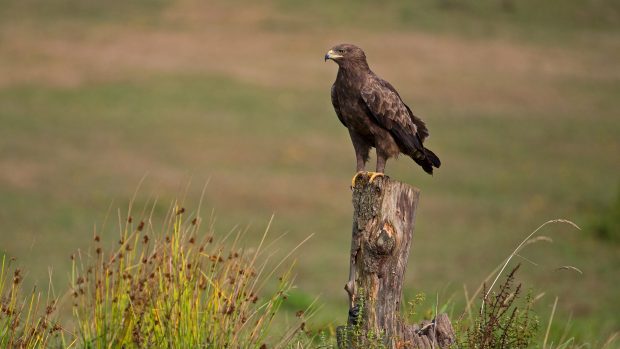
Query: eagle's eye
x=340, y=51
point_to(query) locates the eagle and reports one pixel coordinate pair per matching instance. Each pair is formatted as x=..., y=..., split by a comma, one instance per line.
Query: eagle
x=375, y=114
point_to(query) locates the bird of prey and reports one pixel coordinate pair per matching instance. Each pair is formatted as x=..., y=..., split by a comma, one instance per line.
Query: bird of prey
x=375, y=114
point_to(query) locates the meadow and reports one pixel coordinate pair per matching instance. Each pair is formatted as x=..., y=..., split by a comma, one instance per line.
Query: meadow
x=521, y=99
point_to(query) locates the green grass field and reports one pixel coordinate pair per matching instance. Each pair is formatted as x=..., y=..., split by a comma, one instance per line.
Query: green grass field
x=522, y=106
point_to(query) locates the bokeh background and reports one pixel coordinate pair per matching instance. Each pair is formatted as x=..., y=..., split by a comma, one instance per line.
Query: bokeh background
x=522, y=99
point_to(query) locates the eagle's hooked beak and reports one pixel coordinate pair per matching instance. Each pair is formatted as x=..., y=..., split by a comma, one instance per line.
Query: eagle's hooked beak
x=331, y=55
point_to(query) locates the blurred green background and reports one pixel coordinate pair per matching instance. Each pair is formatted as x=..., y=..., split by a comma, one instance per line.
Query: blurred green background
x=521, y=99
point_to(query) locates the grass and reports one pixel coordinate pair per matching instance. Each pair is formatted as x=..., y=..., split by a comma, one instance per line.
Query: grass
x=523, y=116
x=25, y=321
x=182, y=286
x=176, y=289
x=522, y=20
x=166, y=284
x=606, y=222
x=502, y=323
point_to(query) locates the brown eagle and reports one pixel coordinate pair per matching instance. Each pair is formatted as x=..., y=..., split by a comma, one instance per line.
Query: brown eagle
x=375, y=114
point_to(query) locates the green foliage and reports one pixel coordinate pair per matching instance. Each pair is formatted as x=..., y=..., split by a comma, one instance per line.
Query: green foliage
x=413, y=306
x=25, y=322
x=354, y=333
x=607, y=224
x=171, y=289
x=175, y=290
x=503, y=322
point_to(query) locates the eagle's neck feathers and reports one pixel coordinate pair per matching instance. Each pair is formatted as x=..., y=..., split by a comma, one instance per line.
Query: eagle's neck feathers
x=353, y=74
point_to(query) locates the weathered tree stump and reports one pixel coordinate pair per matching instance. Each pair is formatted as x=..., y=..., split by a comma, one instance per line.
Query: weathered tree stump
x=383, y=221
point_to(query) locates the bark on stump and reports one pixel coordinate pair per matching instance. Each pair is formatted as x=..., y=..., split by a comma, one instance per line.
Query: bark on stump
x=383, y=221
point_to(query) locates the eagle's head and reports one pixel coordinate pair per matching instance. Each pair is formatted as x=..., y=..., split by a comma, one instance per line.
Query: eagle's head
x=345, y=54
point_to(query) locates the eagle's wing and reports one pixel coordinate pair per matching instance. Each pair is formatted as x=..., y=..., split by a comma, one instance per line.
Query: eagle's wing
x=336, y=105
x=389, y=111
x=420, y=125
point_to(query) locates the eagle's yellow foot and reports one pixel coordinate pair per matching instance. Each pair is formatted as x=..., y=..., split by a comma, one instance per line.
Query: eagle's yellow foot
x=355, y=178
x=374, y=175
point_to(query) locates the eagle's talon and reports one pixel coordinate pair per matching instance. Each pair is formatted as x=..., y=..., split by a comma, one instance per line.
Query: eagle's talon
x=355, y=178
x=375, y=175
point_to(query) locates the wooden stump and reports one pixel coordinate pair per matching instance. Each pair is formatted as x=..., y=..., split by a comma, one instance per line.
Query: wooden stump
x=383, y=222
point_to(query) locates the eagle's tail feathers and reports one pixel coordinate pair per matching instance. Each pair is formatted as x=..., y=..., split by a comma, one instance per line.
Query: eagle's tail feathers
x=414, y=148
x=426, y=160
x=427, y=168
x=422, y=160
x=432, y=158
